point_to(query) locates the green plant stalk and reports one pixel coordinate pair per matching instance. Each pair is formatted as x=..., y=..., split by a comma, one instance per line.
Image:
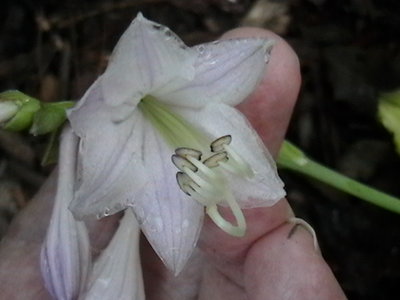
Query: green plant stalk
x=294, y=159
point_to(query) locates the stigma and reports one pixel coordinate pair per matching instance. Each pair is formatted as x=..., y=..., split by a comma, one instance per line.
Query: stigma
x=206, y=180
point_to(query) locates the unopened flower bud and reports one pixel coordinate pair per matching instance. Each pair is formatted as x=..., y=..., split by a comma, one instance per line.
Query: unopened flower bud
x=8, y=110
x=19, y=110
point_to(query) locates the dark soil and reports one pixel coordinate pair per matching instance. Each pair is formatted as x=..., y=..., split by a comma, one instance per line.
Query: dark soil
x=350, y=54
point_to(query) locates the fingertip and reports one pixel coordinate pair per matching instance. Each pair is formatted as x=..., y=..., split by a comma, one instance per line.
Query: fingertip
x=298, y=269
x=270, y=106
x=260, y=221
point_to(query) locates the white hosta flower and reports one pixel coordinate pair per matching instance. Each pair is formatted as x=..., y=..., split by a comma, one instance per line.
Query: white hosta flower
x=117, y=273
x=65, y=255
x=160, y=99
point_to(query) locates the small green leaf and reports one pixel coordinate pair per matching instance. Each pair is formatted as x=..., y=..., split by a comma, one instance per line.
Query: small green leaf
x=50, y=155
x=50, y=117
x=389, y=115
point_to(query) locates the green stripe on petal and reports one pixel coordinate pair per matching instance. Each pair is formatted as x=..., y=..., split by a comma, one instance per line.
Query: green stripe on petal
x=176, y=131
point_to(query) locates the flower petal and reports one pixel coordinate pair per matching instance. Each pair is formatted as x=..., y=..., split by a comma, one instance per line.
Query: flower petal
x=65, y=255
x=109, y=156
x=169, y=218
x=265, y=188
x=147, y=56
x=226, y=71
x=117, y=274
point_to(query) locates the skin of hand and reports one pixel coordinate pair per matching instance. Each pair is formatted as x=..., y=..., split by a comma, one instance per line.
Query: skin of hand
x=265, y=264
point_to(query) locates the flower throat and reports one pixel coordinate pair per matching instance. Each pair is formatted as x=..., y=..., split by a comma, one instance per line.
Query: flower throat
x=203, y=179
x=175, y=130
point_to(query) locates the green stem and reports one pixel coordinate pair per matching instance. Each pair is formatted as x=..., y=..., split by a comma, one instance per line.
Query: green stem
x=292, y=158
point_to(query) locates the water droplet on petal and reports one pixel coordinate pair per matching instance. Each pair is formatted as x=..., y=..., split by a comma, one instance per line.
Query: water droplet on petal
x=201, y=49
x=185, y=224
x=267, y=55
x=266, y=58
x=106, y=212
x=139, y=213
x=158, y=224
x=168, y=33
x=127, y=203
x=157, y=26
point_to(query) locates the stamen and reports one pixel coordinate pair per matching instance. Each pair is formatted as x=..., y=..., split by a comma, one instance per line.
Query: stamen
x=203, y=181
x=182, y=163
x=184, y=182
x=230, y=167
x=214, y=160
x=190, y=188
x=204, y=169
x=203, y=201
x=218, y=144
x=238, y=162
x=204, y=196
x=188, y=152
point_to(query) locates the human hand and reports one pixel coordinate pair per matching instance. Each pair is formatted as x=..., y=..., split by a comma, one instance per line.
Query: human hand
x=265, y=264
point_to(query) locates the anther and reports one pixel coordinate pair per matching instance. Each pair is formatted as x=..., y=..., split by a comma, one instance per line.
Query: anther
x=184, y=183
x=191, y=188
x=214, y=160
x=201, y=180
x=181, y=163
x=185, y=152
x=218, y=144
x=205, y=170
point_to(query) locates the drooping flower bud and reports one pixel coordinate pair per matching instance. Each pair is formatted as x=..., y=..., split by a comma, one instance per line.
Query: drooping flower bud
x=17, y=110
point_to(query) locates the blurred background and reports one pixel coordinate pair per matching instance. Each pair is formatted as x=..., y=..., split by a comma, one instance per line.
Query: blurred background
x=349, y=52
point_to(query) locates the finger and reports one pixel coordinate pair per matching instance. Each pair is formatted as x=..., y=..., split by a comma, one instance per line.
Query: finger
x=268, y=109
x=298, y=270
x=20, y=248
x=31, y=223
x=265, y=256
x=270, y=106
